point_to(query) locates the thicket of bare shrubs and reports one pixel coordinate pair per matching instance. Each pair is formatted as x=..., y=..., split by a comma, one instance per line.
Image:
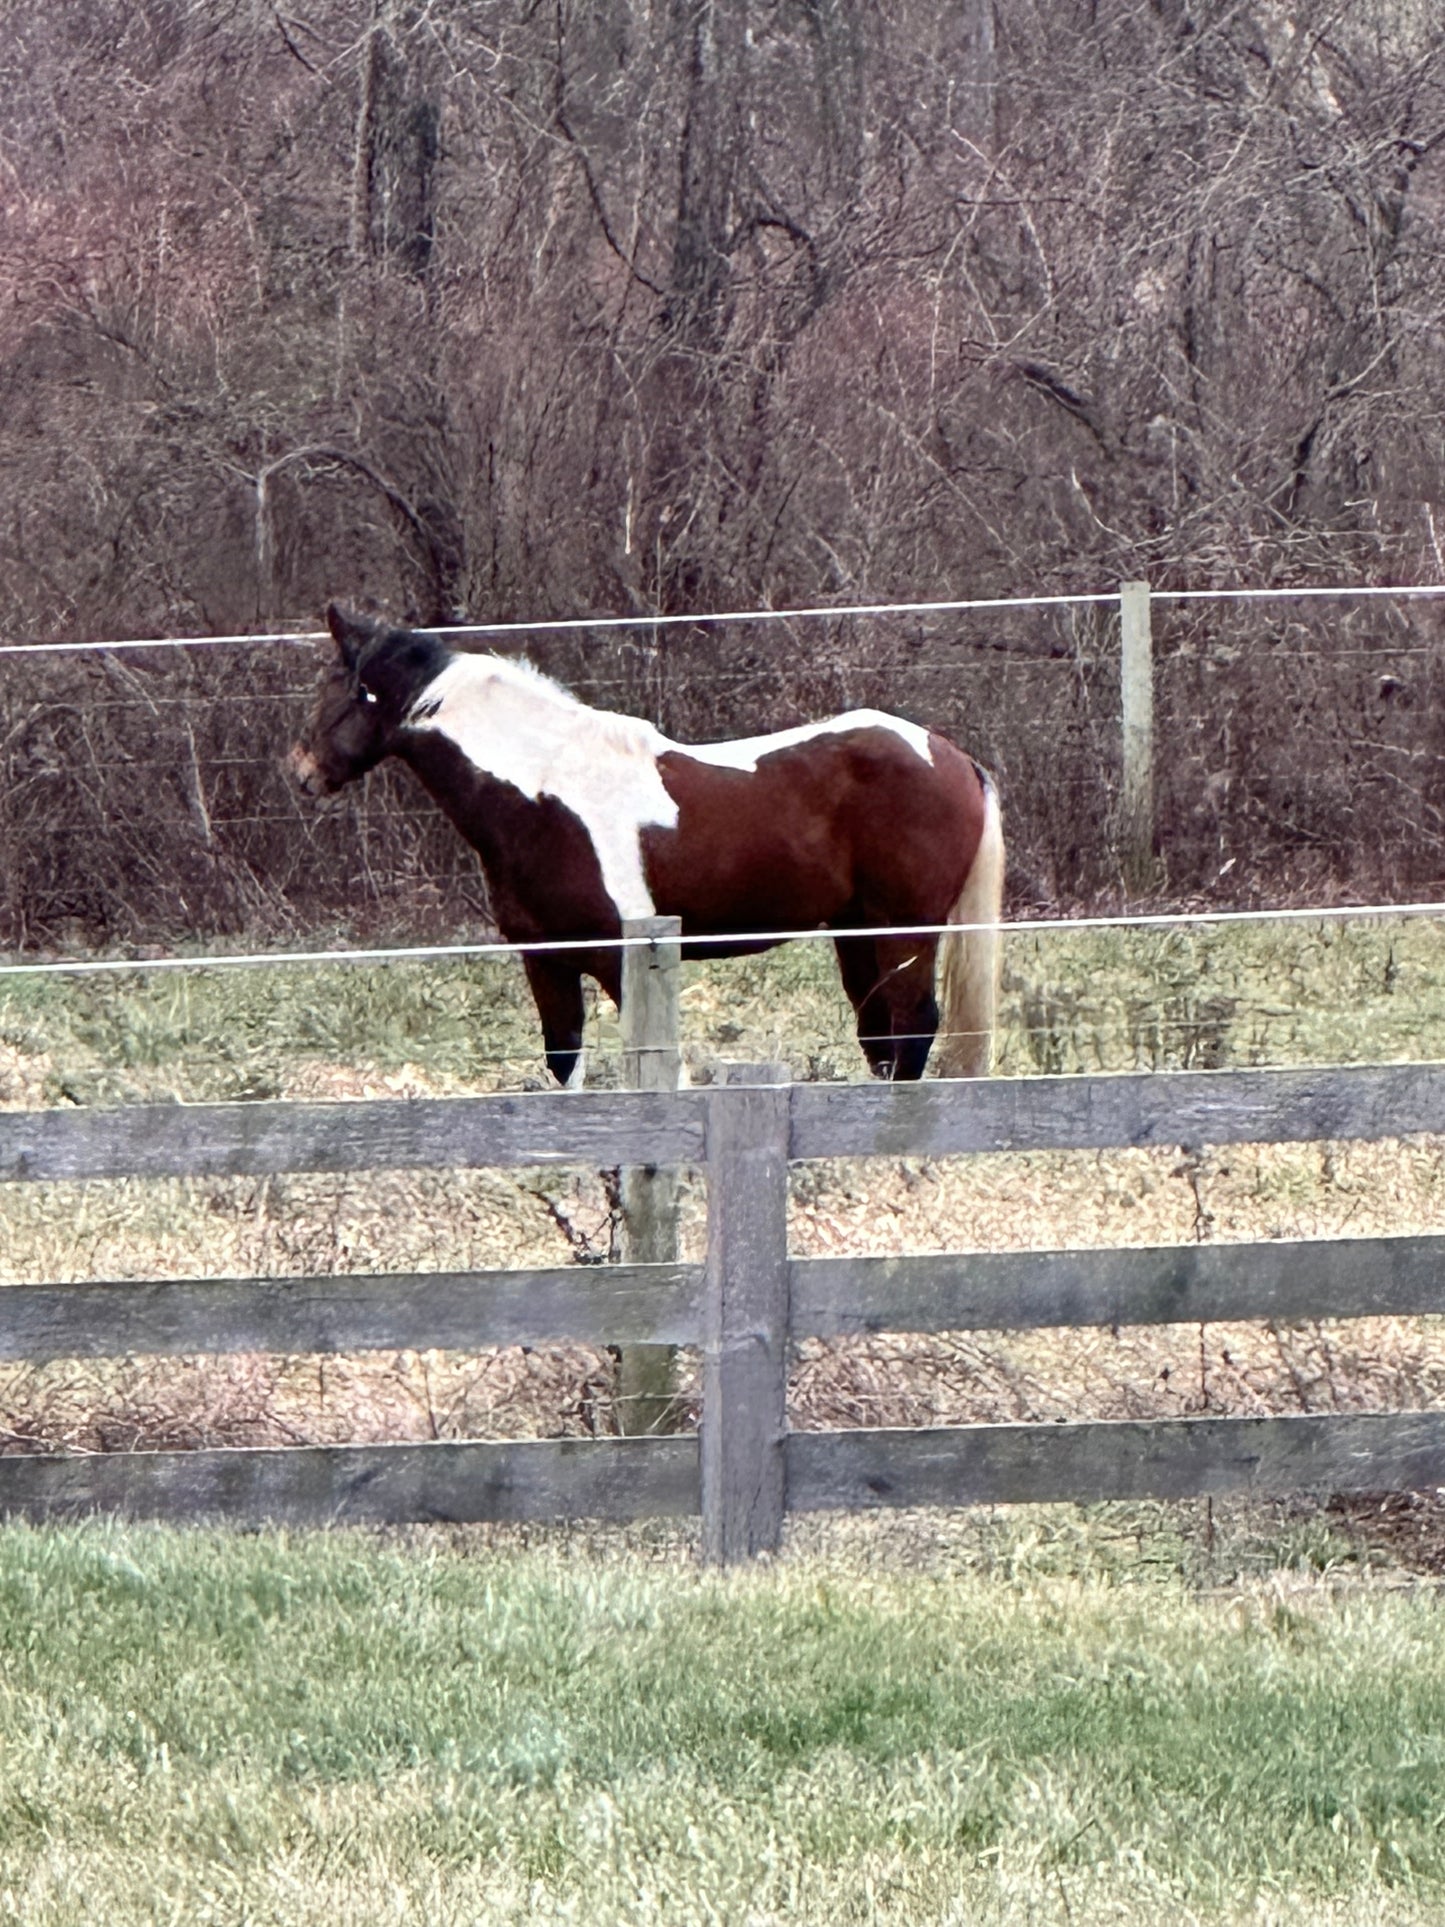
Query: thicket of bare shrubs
x=659, y=306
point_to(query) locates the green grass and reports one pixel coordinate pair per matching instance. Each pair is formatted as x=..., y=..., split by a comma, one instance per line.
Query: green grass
x=208, y=1728
x=224, y=1034
x=201, y=1728
x=1205, y=997
x=1196, y=998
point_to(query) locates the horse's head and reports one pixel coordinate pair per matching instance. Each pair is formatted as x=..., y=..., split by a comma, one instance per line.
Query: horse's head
x=360, y=707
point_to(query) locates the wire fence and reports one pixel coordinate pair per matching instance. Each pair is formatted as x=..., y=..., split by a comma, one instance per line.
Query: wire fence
x=701, y=944
x=138, y=814
x=297, y=636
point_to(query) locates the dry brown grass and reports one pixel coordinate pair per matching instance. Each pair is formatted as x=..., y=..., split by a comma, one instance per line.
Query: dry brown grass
x=350, y=1035
x=422, y=1221
x=1038, y=1200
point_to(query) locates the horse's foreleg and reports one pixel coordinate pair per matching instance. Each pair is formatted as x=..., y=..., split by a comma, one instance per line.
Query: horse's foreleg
x=557, y=992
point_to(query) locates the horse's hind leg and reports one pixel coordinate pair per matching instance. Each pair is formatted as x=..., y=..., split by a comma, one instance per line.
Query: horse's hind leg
x=905, y=983
x=557, y=992
x=858, y=967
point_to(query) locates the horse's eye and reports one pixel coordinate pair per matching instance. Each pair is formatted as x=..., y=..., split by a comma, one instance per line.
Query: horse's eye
x=367, y=695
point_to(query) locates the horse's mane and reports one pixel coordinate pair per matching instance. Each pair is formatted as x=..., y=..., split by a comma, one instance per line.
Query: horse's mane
x=618, y=731
x=520, y=669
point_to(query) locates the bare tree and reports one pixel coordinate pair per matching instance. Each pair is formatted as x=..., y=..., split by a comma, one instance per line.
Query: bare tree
x=662, y=304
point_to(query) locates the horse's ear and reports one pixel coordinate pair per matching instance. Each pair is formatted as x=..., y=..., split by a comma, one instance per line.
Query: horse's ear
x=352, y=633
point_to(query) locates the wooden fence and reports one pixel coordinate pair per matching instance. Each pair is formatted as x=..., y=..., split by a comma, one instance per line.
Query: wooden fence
x=743, y=1306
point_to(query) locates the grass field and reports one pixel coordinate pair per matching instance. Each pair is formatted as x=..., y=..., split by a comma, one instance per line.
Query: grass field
x=1045, y=1716
x=1115, y=1000
x=1366, y=991
x=338, y=1730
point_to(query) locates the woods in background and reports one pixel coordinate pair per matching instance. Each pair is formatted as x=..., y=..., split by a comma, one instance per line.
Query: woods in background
x=658, y=306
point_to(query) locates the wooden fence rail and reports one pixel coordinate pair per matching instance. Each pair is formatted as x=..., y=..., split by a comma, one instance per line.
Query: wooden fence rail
x=744, y=1306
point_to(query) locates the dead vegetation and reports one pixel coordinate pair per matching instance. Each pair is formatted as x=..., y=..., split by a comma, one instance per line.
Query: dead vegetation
x=1109, y=1000
x=394, y=1221
x=656, y=310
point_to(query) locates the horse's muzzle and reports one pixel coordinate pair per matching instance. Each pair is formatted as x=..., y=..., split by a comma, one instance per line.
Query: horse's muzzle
x=307, y=772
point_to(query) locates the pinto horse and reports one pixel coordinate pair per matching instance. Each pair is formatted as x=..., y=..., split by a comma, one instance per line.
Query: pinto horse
x=583, y=818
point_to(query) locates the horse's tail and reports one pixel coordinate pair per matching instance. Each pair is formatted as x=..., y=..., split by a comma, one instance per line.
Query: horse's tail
x=968, y=960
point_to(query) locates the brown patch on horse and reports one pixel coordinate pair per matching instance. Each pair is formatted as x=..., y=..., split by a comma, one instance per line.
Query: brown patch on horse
x=818, y=830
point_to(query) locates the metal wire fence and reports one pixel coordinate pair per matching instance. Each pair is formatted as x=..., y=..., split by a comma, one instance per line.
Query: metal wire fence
x=1296, y=756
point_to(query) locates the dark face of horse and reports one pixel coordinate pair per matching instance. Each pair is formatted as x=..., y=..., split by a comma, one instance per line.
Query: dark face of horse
x=354, y=723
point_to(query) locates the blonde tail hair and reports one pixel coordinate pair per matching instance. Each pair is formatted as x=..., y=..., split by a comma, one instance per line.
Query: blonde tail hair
x=968, y=961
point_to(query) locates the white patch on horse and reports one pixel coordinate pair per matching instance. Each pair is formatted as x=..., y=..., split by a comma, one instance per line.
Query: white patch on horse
x=747, y=751
x=514, y=723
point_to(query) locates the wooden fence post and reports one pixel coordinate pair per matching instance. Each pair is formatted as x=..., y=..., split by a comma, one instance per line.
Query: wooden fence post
x=1137, y=703
x=745, y=1314
x=651, y=1061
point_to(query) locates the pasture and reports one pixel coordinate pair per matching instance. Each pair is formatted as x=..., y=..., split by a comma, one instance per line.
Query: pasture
x=1225, y=1711
x=1187, y=998
x=1239, y=995
x=344, y=1730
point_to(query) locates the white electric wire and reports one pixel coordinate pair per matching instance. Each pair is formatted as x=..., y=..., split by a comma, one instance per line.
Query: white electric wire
x=416, y=953
x=1405, y=591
